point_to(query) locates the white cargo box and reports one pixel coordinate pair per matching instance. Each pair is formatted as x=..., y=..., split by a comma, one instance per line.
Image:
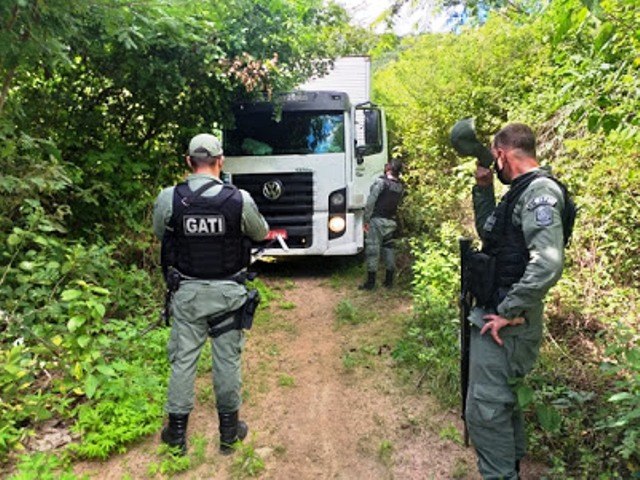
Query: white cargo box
x=351, y=75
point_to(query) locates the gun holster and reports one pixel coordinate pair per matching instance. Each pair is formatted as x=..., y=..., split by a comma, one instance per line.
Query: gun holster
x=482, y=268
x=172, y=279
x=242, y=318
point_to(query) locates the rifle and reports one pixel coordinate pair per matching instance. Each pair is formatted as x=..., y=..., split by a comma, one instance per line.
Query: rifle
x=465, y=329
x=172, y=279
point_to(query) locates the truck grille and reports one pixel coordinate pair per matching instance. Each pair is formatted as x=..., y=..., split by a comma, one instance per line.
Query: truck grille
x=291, y=211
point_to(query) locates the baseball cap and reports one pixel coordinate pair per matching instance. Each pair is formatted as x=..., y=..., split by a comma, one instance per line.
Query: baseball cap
x=464, y=141
x=205, y=145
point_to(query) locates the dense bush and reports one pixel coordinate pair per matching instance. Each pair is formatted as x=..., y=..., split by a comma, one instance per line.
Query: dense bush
x=573, y=74
x=97, y=102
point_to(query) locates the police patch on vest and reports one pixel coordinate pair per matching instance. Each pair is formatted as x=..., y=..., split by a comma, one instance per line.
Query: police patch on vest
x=203, y=225
x=544, y=215
x=542, y=200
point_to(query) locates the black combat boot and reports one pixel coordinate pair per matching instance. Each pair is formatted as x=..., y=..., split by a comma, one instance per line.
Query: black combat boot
x=231, y=430
x=175, y=433
x=370, y=284
x=388, y=279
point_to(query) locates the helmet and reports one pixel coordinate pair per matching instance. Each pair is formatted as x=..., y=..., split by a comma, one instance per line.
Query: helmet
x=464, y=141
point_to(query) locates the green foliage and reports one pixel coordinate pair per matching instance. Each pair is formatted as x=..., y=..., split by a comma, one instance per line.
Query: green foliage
x=130, y=407
x=205, y=395
x=71, y=75
x=431, y=339
x=247, y=462
x=44, y=466
x=198, y=446
x=571, y=72
x=450, y=432
x=385, y=451
x=86, y=139
x=285, y=380
x=622, y=423
x=287, y=305
x=172, y=462
x=353, y=313
x=346, y=312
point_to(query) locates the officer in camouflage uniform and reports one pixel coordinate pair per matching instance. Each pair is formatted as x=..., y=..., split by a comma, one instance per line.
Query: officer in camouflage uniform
x=380, y=223
x=525, y=235
x=204, y=226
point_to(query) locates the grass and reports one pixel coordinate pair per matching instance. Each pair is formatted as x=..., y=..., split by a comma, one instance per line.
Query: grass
x=205, y=394
x=450, y=432
x=171, y=462
x=247, y=462
x=348, y=313
x=461, y=469
x=287, y=305
x=198, y=449
x=385, y=452
x=285, y=380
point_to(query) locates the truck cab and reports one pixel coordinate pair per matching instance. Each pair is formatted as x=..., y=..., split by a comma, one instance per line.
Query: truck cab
x=308, y=158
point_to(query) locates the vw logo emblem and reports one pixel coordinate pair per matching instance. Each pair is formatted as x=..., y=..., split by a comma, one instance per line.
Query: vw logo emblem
x=272, y=190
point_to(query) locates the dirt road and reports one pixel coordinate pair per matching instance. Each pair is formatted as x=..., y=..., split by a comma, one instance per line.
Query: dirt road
x=323, y=396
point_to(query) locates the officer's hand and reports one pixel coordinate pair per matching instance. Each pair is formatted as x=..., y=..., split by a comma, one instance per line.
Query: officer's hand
x=484, y=176
x=495, y=323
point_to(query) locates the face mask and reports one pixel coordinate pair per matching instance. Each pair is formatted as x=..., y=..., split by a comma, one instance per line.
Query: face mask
x=500, y=174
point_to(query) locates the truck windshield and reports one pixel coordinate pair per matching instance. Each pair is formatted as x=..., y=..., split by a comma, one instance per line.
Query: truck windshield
x=298, y=133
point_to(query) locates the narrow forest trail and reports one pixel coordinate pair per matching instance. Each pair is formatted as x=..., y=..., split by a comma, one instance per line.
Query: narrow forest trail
x=323, y=399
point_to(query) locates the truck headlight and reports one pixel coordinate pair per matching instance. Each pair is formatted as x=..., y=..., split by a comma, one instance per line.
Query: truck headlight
x=337, y=224
x=337, y=213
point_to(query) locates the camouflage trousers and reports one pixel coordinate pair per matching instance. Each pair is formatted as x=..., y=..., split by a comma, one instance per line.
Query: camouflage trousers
x=494, y=420
x=380, y=239
x=192, y=304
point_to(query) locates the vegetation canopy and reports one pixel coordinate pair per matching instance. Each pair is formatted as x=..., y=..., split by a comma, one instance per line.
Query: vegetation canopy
x=98, y=100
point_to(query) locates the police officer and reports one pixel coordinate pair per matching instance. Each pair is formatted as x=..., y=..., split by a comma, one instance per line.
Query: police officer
x=525, y=234
x=204, y=225
x=380, y=223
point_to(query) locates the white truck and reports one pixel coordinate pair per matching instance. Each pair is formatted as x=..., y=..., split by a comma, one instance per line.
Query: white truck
x=308, y=159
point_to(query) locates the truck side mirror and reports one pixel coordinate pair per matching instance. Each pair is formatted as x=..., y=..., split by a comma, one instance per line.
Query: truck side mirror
x=371, y=131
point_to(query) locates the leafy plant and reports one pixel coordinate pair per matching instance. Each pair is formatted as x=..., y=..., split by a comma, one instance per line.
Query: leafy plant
x=44, y=466
x=246, y=461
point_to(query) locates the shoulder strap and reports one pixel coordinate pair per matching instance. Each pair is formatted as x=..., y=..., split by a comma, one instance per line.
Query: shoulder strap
x=569, y=212
x=515, y=192
x=187, y=196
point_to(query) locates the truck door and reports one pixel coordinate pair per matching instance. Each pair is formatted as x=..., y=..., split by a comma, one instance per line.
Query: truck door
x=371, y=145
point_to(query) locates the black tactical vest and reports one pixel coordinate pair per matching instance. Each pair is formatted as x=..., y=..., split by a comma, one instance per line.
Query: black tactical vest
x=204, y=237
x=389, y=198
x=505, y=242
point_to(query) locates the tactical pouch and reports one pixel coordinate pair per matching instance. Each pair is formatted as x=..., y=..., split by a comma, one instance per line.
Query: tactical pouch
x=482, y=269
